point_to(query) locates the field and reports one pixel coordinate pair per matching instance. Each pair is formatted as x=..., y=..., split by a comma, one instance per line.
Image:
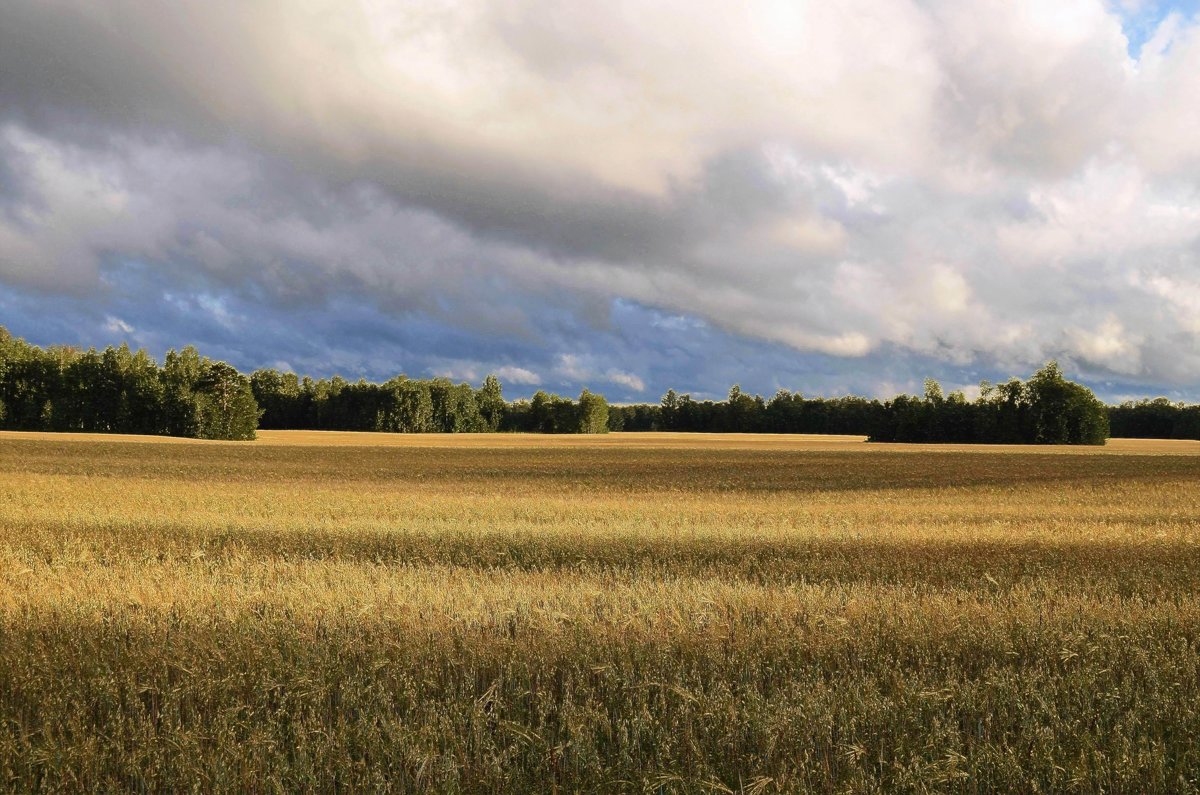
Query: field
x=320, y=612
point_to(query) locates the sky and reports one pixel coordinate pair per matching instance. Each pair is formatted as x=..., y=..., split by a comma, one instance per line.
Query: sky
x=834, y=198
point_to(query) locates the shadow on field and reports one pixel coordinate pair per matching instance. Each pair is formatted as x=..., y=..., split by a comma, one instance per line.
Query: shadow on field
x=594, y=470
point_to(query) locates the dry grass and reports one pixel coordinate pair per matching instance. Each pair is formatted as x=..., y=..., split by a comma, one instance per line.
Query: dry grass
x=322, y=611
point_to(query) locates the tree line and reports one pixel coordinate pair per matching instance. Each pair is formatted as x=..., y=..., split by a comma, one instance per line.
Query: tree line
x=785, y=412
x=1045, y=409
x=122, y=391
x=1159, y=418
x=118, y=390
x=409, y=405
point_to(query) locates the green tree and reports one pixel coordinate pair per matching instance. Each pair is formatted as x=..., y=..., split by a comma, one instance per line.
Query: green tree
x=225, y=404
x=491, y=403
x=181, y=375
x=411, y=408
x=741, y=411
x=541, y=412
x=1063, y=412
x=593, y=413
x=277, y=395
x=454, y=407
x=143, y=395
x=669, y=411
x=933, y=391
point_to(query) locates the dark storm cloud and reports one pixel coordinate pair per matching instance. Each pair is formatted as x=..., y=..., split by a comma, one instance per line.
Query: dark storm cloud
x=958, y=186
x=204, y=74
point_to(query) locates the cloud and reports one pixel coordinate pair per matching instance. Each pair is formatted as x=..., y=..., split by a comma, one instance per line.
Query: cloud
x=475, y=372
x=625, y=379
x=961, y=185
x=1109, y=344
x=518, y=375
x=577, y=368
x=117, y=326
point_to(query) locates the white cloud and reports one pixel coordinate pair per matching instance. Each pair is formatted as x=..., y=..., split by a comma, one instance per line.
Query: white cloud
x=457, y=372
x=582, y=369
x=625, y=379
x=1109, y=344
x=949, y=290
x=474, y=372
x=518, y=375
x=117, y=326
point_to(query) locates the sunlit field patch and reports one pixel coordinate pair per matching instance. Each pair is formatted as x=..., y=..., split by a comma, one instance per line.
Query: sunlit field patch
x=322, y=611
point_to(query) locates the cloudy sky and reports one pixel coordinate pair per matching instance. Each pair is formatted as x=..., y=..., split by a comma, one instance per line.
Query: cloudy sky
x=830, y=197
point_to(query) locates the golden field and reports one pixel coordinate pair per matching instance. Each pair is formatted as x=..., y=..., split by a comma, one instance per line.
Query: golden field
x=635, y=612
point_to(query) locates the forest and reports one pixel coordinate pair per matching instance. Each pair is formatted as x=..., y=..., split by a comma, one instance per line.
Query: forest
x=122, y=391
x=406, y=405
x=119, y=390
x=1045, y=409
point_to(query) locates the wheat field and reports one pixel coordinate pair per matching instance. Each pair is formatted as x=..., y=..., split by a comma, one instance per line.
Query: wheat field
x=317, y=612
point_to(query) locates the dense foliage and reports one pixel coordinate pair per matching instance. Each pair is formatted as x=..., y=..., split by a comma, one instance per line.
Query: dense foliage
x=1154, y=419
x=407, y=405
x=1046, y=409
x=400, y=405
x=121, y=391
x=786, y=412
